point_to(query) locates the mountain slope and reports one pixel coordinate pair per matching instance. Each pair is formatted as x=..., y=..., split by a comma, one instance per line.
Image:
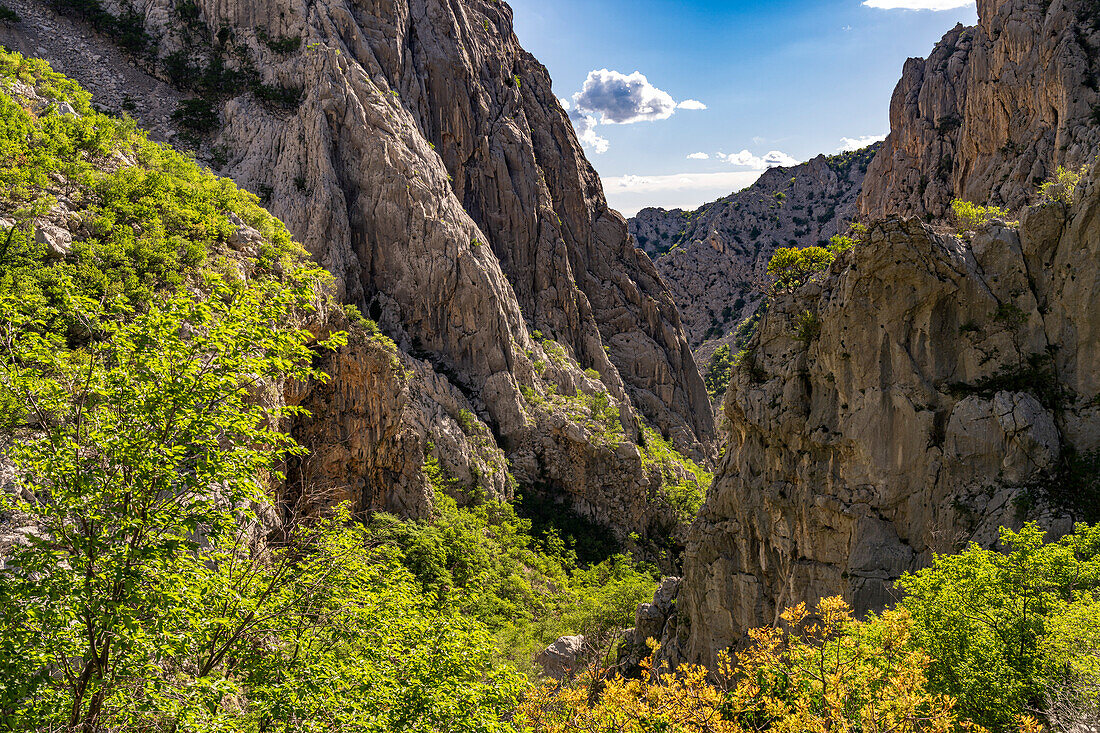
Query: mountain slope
x=930, y=387
x=713, y=259
x=418, y=152
x=992, y=111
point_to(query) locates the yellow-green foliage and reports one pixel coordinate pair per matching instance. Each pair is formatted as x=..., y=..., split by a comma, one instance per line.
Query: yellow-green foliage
x=970, y=217
x=791, y=267
x=828, y=672
x=484, y=560
x=843, y=242
x=1062, y=186
x=719, y=369
x=807, y=326
x=139, y=227
x=685, y=482
x=597, y=412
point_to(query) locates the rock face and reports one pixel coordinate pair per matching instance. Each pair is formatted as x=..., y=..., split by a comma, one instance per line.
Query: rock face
x=951, y=385
x=713, y=259
x=563, y=658
x=419, y=153
x=992, y=111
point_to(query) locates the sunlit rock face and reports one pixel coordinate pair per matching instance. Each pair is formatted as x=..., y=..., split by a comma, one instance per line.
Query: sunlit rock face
x=992, y=111
x=419, y=153
x=946, y=387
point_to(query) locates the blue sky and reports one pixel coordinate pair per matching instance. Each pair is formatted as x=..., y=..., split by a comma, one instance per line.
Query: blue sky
x=792, y=78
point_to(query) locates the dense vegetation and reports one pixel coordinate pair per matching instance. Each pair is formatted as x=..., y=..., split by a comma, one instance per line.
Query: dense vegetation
x=982, y=641
x=140, y=599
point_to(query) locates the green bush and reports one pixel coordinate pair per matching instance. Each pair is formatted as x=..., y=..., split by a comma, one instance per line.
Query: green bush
x=197, y=115
x=994, y=624
x=485, y=560
x=1062, y=186
x=719, y=370
x=685, y=482
x=141, y=603
x=807, y=326
x=970, y=217
x=7, y=15
x=792, y=267
x=141, y=227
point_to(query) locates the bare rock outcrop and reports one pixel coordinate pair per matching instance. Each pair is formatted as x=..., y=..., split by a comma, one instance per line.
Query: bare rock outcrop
x=992, y=111
x=419, y=153
x=949, y=388
x=713, y=259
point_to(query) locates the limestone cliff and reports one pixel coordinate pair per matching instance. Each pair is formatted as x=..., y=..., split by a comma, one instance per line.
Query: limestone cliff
x=420, y=155
x=992, y=111
x=928, y=390
x=713, y=259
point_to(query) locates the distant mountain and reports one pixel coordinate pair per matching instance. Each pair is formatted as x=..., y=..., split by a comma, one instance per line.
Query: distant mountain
x=712, y=258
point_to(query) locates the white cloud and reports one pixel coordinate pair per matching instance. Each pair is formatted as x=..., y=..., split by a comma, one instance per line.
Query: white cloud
x=698, y=156
x=623, y=99
x=918, y=4
x=855, y=143
x=691, y=104
x=733, y=180
x=585, y=125
x=628, y=194
x=771, y=159
x=564, y=103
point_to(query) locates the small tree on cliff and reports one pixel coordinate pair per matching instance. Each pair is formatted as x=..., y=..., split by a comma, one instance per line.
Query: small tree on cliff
x=792, y=267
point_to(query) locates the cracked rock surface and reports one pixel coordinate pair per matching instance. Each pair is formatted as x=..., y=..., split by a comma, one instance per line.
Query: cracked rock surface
x=931, y=403
x=714, y=258
x=428, y=166
x=992, y=111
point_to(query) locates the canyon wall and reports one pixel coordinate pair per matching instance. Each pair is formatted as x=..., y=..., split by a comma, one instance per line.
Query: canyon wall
x=419, y=153
x=992, y=111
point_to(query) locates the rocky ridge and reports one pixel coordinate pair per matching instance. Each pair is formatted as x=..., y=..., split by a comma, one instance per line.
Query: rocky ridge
x=419, y=153
x=713, y=259
x=949, y=387
x=992, y=111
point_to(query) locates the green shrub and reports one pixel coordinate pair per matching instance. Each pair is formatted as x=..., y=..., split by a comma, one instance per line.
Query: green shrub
x=197, y=115
x=1062, y=186
x=485, y=561
x=7, y=15
x=685, y=482
x=807, y=326
x=719, y=370
x=970, y=217
x=281, y=44
x=990, y=620
x=791, y=267
x=142, y=227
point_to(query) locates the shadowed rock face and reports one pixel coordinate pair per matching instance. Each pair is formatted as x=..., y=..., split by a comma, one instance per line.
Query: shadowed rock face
x=949, y=379
x=431, y=170
x=992, y=111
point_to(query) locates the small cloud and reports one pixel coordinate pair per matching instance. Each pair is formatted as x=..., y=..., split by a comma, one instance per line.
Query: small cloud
x=759, y=140
x=771, y=159
x=691, y=104
x=918, y=4
x=855, y=143
x=623, y=99
x=585, y=125
x=564, y=103
x=846, y=28
x=698, y=156
x=630, y=193
x=631, y=182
